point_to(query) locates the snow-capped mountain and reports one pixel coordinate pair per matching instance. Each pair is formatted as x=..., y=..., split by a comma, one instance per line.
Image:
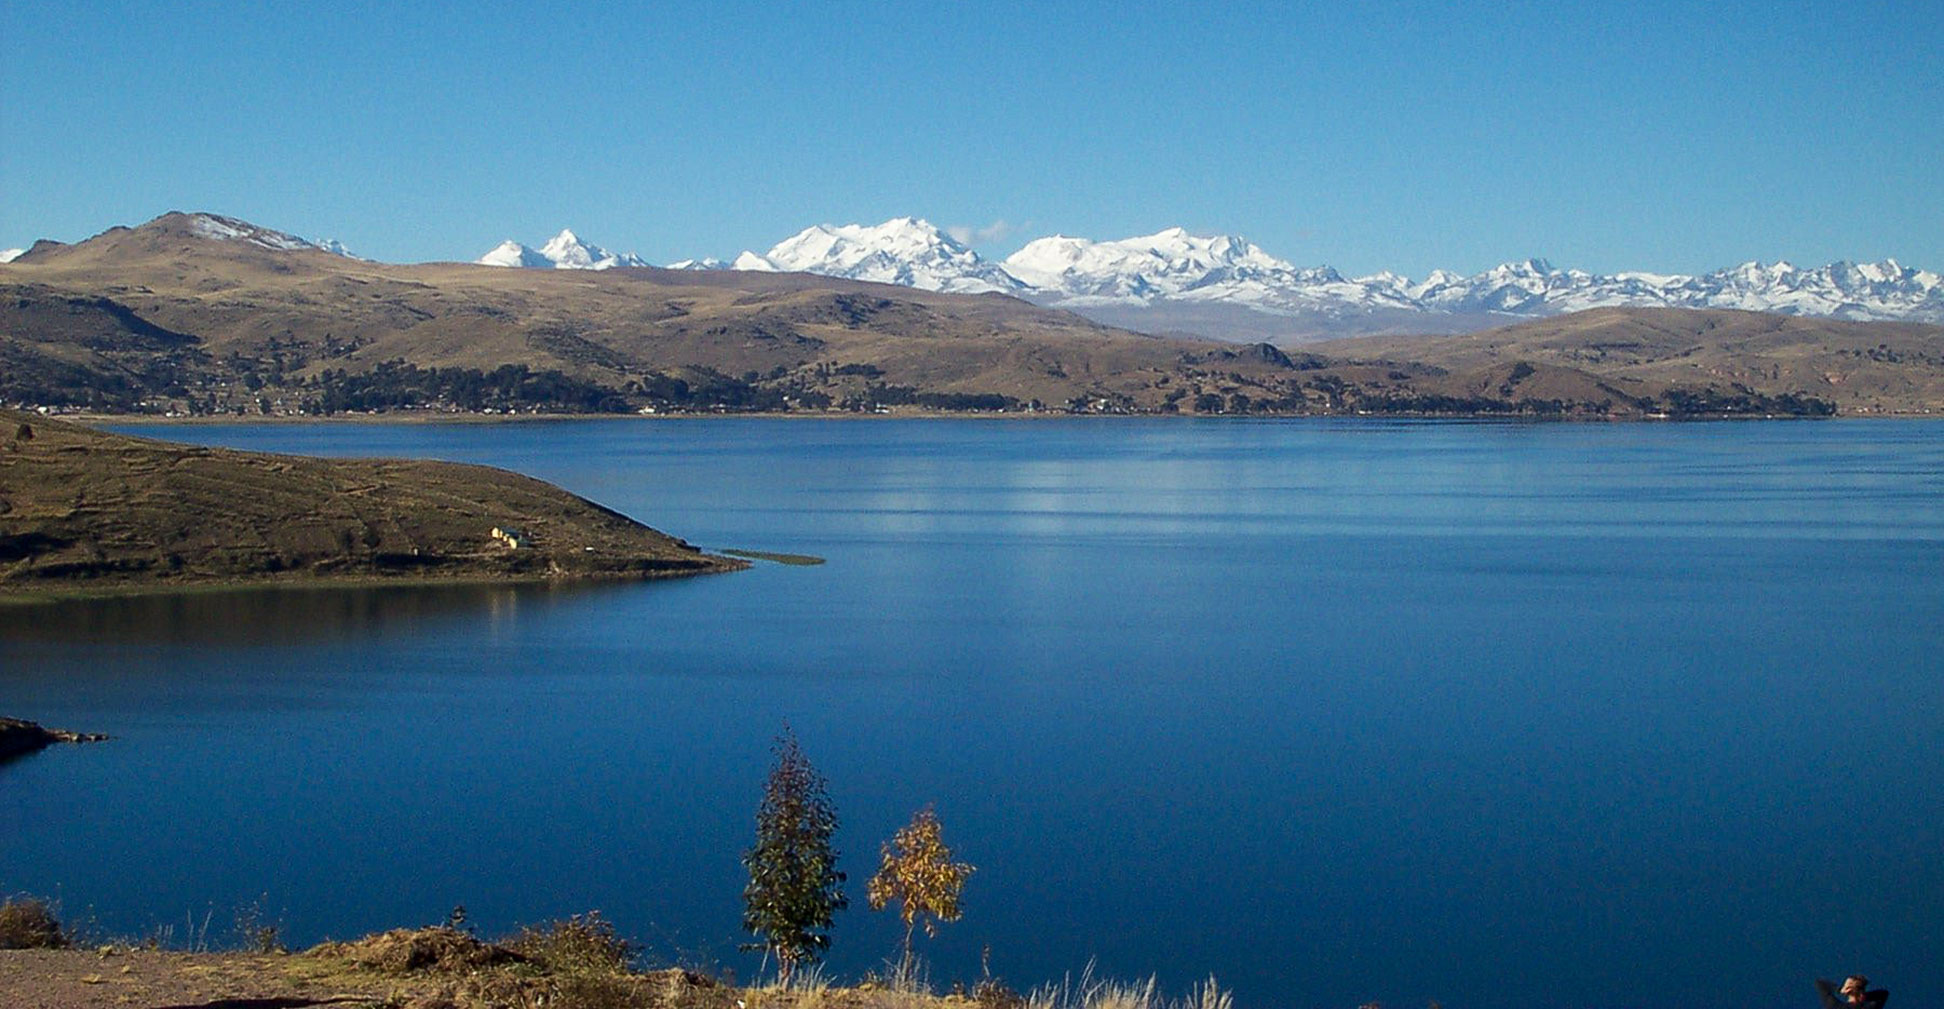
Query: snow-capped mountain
x=1869, y=291
x=9, y=255
x=564, y=251
x=1211, y=279
x=1175, y=265
x=903, y=250
x=335, y=248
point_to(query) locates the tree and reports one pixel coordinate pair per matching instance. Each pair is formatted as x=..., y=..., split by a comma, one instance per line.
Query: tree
x=918, y=873
x=794, y=886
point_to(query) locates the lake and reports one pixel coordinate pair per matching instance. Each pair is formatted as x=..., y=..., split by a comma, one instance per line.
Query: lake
x=1339, y=711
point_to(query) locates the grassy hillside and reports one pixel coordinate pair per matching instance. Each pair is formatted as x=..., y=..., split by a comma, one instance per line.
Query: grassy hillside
x=84, y=508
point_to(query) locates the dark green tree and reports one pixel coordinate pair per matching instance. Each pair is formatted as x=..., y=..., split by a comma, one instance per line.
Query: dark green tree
x=794, y=887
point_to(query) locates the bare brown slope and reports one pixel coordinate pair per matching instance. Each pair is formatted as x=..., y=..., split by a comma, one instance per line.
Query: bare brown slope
x=1860, y=367
x=80, y=507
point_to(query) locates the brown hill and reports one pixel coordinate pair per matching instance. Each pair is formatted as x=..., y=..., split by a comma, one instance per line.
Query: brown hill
x=1858, y=367
x=85, y=508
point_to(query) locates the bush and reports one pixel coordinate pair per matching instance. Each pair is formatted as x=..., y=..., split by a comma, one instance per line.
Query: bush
x=582, y=944
x=28, y=923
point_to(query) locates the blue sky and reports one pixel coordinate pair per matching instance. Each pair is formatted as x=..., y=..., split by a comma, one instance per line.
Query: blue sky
x=1676, y=137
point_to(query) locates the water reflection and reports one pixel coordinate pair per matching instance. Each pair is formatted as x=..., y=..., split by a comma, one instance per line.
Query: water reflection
x=276, y=616
x=1403, y=708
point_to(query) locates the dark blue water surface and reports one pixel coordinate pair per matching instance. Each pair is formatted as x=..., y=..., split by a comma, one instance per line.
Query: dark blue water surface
x=1491, y=714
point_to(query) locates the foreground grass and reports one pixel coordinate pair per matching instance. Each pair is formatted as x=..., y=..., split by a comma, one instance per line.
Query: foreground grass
x=572, y=963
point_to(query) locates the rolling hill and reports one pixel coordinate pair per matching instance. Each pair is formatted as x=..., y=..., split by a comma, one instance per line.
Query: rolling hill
x=1857, y=367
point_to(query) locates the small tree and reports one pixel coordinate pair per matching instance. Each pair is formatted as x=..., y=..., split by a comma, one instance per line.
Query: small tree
x=794, y=887
x=918, y=873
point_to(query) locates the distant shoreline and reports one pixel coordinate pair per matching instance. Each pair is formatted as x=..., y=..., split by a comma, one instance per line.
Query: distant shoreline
x=428, y=417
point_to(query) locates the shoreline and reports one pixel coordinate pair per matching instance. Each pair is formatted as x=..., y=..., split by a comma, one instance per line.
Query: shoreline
x=430, y=417
x=39, y=596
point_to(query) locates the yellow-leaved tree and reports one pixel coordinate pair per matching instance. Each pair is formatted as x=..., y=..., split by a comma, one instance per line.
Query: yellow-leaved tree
x=919, y=874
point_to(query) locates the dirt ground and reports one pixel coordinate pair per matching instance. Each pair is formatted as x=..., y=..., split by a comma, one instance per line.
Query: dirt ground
x=140, y=979
x=390, y=977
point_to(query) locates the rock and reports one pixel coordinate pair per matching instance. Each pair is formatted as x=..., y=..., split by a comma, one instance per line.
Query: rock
x=19, y=737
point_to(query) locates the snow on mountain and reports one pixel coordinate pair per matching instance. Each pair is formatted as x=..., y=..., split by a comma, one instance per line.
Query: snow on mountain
x=1871, y=291
x=1176, y=269
x=9, y=255
x=751, y=261
x=564, y=251
x=1174, y=265
x=512, y=253
x=230, y=229
x=902, y=250
x=335, y=248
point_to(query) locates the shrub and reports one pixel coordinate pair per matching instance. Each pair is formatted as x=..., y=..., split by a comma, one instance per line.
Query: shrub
x=28, y=923
x=582, y=944
x=918, y=874
x=258, y=932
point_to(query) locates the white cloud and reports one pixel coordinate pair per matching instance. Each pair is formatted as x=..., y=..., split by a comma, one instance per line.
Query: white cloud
x=967, y=235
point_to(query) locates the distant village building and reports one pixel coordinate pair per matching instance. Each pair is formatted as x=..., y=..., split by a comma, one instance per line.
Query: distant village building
x=513, y=538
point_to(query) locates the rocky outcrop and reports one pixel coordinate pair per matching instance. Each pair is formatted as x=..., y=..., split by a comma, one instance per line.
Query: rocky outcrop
x=19, y=737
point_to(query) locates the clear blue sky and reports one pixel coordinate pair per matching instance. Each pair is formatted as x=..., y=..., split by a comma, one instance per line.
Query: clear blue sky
x=1678, y=137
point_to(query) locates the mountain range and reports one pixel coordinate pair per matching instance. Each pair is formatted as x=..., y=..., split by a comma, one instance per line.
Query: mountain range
x=202, y=314
x=564, y=251
x=1224, y=286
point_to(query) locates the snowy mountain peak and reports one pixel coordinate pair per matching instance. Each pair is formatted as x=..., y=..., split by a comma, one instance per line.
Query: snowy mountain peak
x=564, y=251
x=512, y=253
x=335, y=248
x=903, y=250
x=9, y=255
x=1175, y=266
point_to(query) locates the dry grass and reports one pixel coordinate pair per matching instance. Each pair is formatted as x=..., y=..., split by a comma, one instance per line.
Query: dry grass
x=439, y=950
x=1091, y=992
x=29, y=923
x=581, y=944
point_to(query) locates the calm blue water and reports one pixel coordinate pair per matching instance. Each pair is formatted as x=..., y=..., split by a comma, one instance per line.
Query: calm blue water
x=1492, y=714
